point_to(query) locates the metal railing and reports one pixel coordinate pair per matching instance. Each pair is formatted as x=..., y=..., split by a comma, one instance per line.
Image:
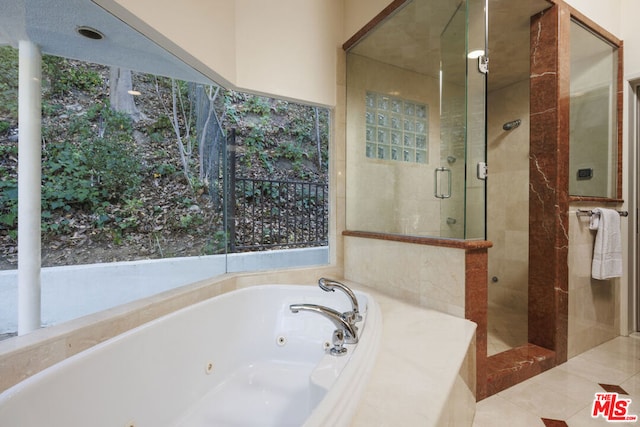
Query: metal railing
x=276, y=213
x=270, y=213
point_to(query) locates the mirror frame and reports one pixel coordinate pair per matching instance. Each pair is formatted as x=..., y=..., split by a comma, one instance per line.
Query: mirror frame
x=618, y=44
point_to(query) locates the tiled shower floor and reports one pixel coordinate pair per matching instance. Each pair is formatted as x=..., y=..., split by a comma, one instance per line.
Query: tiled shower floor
x=506, y=329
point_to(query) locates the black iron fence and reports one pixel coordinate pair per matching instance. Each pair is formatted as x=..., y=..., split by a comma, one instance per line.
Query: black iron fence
x=274, y=213
x=270, y=214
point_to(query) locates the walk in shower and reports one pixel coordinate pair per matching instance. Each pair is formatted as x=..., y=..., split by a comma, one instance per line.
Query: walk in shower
x=431, y=55
x=416, y=122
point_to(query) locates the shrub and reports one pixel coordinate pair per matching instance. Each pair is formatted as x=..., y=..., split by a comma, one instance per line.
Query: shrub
x=88, y=170
x=8, y=204
x=8, y=81
x=64, y=76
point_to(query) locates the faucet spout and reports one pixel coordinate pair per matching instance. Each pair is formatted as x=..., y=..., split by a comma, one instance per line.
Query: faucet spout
x=330, y=285
x=338, y=319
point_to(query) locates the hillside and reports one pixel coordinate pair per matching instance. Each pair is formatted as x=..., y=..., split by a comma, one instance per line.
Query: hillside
x=115, y=189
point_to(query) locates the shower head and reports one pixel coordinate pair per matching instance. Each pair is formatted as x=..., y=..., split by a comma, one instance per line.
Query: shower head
x=512, y=124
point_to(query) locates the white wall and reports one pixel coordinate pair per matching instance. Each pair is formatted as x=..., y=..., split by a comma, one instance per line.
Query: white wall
x=286, y=48
x=631, y=36
x=202, y=34
x=619, y=17
x=607, y=13
x=358, y=13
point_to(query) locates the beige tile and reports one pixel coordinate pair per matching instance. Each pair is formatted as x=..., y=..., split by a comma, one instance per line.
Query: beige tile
x=632, y=386
x=584, y=419
x=605, y=357
x=567, y=392
x=496, y=411
x=626, y=346
x=594, y=371
x=563, y=382
x=543, y=401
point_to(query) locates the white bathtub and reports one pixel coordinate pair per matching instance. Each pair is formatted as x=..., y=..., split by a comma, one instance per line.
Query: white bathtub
x=239, y=359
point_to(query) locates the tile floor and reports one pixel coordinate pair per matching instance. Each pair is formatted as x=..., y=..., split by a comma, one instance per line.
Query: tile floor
x=564, y=395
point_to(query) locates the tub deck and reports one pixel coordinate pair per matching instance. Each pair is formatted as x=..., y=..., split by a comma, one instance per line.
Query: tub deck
x=425, y=369
x=424, y=373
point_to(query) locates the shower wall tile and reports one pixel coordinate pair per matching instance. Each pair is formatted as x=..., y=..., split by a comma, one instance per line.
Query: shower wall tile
x=508, y=198
x=385, y=195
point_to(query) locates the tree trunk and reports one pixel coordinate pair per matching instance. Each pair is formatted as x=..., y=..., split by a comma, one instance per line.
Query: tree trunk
x=120, y=95
x=318, y=141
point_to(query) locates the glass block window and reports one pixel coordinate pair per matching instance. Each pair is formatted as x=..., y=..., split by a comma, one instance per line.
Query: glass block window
x=396, y=129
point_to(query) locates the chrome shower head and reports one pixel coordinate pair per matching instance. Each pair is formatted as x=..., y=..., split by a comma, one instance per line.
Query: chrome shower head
x=512, y=124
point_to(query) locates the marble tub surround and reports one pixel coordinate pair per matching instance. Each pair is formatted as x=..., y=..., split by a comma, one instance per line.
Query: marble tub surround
x=425, y=370
x=442, y=274
x=424, y=374
x=430, y=272
x=431, y=277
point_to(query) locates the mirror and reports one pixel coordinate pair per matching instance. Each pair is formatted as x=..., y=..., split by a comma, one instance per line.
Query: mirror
x=593, y=141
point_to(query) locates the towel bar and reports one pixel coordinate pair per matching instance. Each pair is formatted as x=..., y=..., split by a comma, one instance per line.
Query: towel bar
x=588, y=212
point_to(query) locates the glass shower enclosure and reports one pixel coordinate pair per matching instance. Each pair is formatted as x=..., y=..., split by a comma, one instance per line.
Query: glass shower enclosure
x=416, y=116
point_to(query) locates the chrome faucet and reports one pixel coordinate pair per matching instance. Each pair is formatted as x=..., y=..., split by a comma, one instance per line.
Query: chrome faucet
x=330, y=285
x=345, y=332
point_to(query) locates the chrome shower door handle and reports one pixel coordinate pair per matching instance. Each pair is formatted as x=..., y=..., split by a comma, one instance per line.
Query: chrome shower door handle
x=440, y=175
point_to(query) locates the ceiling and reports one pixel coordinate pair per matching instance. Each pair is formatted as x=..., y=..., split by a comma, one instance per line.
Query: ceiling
x=53, y=24
x=411, y=38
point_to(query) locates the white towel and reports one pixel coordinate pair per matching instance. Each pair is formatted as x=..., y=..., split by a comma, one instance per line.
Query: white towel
x=607, y=250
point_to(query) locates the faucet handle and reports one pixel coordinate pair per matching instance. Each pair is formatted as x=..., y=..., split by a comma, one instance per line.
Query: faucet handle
x=338, y=348
x=330, y=285
x=352, y=316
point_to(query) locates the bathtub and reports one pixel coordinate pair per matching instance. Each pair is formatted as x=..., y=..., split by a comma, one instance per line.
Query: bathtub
x=239, y=359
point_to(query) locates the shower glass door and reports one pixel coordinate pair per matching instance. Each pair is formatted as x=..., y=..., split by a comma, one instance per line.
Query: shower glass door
x=462, y=122
x=416, y=122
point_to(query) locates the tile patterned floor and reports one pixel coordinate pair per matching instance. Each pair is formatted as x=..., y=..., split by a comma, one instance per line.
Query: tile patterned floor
x=564, y=395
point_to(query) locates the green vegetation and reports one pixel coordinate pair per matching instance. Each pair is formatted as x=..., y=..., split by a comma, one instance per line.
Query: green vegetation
x=108, y=179
x=65, y=76
x=8, y=82
x=90, y=169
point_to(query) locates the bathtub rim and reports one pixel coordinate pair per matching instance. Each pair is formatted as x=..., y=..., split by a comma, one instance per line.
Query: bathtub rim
x=33, y=351
x=331, y=410
x=334, y=409
x=26, y=355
